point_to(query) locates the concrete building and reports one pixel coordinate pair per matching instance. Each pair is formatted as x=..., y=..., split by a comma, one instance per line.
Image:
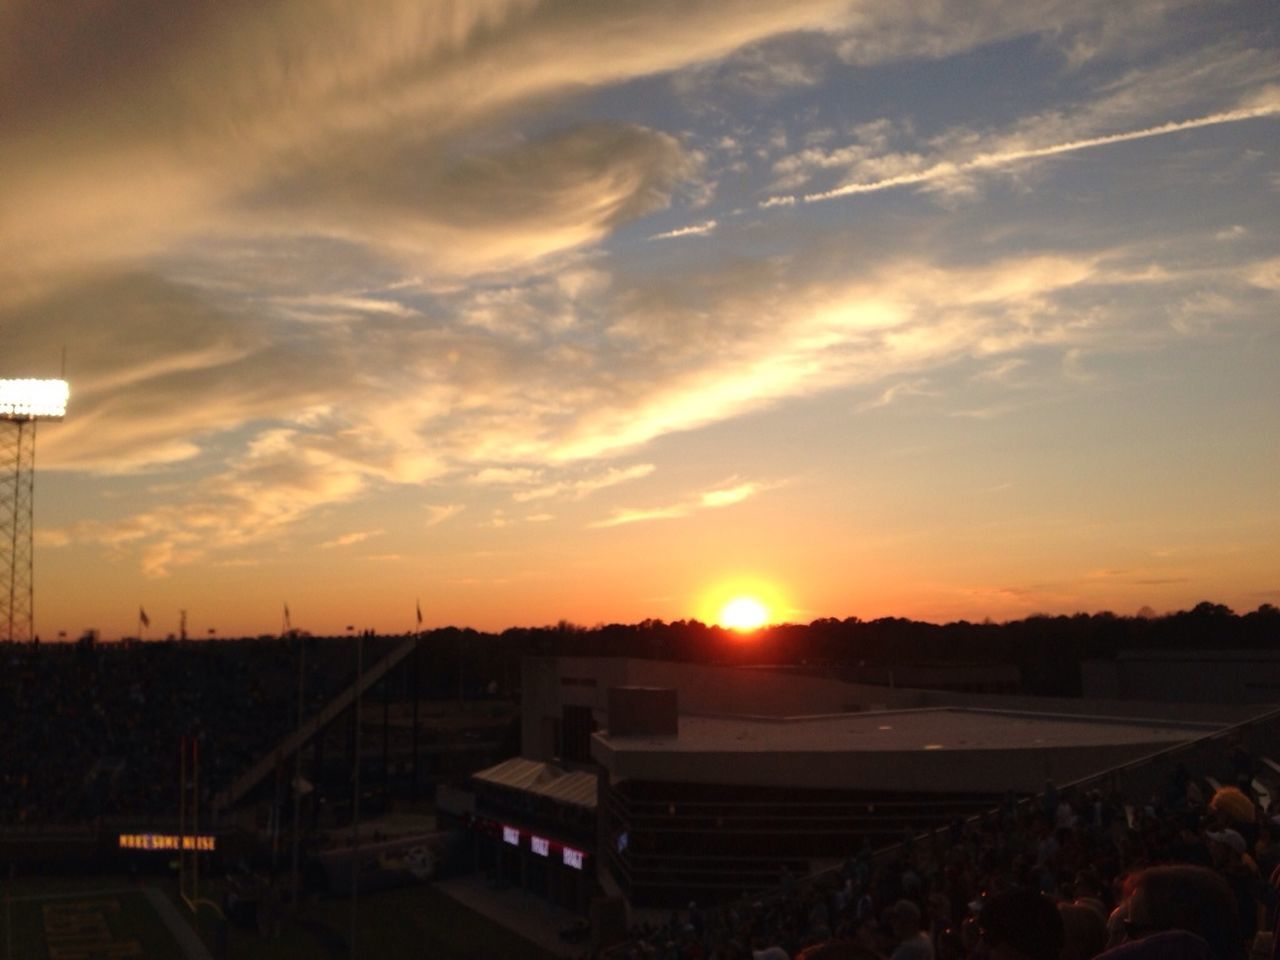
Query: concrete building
x=722, y=805
x=564, y=699
x=711, y=781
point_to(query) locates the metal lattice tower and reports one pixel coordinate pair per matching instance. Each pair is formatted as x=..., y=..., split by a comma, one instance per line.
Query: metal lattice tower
x=22, y=403
x=17, y=527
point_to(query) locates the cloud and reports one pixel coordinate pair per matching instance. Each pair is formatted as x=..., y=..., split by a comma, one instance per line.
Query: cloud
x=498, y=210
x=946, y=171
x=763, y=71
x=1224, y=77
x=284, y=475
x=628, y=515
x=505, y=476
x=229, y=116
x=696, y=230
x=878, y=33
x=1264, y=274
x=287, y=425
x=729, y=495
x=302, y=253
x=999, y=372
x=755, y=336
x=439, y=513
x=347, y=539
x=709, y=500
x=890, y=394
x=982, y=413
x=578, y=489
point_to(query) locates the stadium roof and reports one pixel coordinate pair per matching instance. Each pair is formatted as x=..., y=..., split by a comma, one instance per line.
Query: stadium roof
x=941, y=749
x=944, y=728
x=544, y=779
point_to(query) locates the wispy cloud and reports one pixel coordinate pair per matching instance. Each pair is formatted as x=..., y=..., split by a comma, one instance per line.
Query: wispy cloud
x=725, y=496
x=695, y=230
x=361, y=263
x=1000, y=372
x=949, y=170
x=891, y=393
x=505, y=476
x=625, y=515
x=585, y=486
x=347, y=539
x=439, y=513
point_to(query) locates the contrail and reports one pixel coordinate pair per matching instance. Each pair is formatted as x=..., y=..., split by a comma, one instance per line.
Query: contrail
x=987, y=161
x=697, y=230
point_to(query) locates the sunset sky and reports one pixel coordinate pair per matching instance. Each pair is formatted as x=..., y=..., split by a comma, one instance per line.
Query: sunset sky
x=612, y=310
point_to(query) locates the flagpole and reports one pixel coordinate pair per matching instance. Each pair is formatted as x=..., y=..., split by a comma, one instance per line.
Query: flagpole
x=297, y=774
x=355, y=799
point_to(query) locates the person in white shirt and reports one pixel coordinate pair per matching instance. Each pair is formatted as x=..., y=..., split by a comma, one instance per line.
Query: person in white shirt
x=913, y=943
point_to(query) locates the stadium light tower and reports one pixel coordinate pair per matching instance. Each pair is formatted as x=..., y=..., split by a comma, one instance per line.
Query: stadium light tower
x=22, y=404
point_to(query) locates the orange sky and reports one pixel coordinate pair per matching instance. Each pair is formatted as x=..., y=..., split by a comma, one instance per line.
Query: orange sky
x=536, y=310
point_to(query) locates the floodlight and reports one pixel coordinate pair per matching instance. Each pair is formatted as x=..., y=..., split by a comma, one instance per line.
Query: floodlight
x=32, y=399
x=22, y=404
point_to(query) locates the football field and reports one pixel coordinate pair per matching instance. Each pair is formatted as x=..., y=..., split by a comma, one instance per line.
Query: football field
x=112, y=919
x=95, y=924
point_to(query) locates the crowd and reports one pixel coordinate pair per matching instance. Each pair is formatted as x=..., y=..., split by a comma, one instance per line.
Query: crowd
x=93, y=730
x=1193, y=872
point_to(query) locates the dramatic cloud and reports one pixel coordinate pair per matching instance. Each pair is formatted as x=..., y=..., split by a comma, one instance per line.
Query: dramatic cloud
x=324, y=261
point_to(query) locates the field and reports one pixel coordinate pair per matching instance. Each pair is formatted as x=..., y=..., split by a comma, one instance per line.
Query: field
x=88, y=924
x=106, y=919
x=409, y=922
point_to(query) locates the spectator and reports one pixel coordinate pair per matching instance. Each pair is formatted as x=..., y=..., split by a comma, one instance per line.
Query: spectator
x=1235, y=811
x=1170, y=945
x=837, y=950
x=1188, y=898
x=1236, y=867
x=912, y=943
x=1084, y=931
x=1021, y=924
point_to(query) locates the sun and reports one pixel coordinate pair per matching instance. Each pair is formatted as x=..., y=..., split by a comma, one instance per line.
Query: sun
x=744, y=613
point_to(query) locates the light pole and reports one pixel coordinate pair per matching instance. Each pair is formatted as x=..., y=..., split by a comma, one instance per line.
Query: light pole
x=22, y=404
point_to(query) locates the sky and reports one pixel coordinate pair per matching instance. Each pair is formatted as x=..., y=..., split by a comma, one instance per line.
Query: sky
x=530, y=310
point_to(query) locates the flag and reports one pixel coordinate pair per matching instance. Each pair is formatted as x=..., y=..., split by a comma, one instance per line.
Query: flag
x=142, y=615
x=419, y=613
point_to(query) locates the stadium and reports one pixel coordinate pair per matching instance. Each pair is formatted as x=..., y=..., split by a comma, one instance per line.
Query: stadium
x=613, y=790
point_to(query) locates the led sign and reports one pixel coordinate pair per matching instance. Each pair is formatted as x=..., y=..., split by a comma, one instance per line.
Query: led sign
x=511, y=835
x=165, y=841
x=540, y=846
x=573, y=858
